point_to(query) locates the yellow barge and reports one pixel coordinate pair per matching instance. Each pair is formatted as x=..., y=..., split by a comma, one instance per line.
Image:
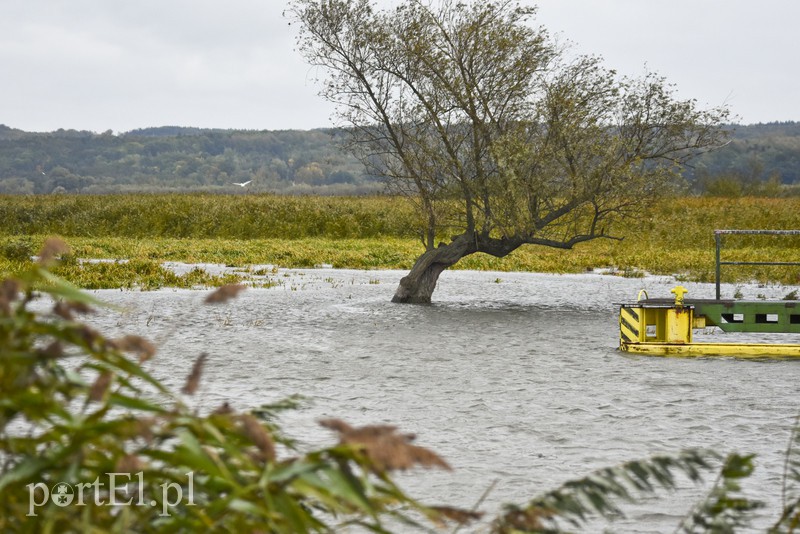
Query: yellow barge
x=664, y=327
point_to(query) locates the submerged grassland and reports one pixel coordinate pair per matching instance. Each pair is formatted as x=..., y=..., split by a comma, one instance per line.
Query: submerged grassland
x=675, y=238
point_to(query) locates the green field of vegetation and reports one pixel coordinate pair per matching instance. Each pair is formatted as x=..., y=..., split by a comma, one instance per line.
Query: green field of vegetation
x=376, y=232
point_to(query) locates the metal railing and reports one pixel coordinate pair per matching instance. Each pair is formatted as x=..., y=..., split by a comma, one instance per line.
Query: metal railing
x=718, y=238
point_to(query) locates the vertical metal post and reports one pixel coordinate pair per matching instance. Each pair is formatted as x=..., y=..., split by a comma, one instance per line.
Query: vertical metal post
x=718, y=239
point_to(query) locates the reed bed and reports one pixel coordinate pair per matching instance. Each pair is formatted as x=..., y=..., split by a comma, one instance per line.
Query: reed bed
x=207, y=216
x=675, y=238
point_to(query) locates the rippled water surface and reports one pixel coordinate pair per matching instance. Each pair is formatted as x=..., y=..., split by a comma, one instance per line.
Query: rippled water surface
x=512, y=377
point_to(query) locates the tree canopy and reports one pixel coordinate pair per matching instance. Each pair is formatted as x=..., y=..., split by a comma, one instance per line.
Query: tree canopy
x=178, y=159
x=501, y=135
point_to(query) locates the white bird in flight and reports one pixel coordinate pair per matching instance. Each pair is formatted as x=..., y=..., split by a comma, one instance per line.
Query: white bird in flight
x=242, y=184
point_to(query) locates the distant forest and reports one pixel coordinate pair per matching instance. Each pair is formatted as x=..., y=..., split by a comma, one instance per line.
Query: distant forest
x=761, y=160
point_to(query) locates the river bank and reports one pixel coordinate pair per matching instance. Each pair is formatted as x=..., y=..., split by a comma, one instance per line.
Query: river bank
x=137, y=234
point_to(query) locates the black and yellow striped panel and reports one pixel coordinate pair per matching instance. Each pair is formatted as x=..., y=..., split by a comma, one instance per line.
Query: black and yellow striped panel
x=629, y=324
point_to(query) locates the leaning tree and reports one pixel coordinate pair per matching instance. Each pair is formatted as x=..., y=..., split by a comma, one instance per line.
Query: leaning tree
x=498, y=133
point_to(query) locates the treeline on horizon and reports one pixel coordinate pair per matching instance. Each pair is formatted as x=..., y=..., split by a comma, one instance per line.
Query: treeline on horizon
x=760, y=160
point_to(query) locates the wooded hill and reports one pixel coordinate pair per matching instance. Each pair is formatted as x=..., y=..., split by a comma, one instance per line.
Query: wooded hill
x=761, y=159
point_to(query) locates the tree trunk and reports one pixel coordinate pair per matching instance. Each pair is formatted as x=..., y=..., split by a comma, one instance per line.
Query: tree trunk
x=417, y=287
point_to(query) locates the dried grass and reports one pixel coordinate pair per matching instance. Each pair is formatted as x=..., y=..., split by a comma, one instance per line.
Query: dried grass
x=225, y=293
x=52, y=351
x=256, y=432
x=90, y=336
x=144, y=428
x=193, y=380
x=457, y=515
x=130, y=463
x=525, y=520
x=100, y=386
x=66, y=310
x=224, y=409
x=52, y=249
x=386, y=449
x=9, y=292
x=138, y=345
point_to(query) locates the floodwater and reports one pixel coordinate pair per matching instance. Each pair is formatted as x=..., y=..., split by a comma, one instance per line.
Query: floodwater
x=514, y=378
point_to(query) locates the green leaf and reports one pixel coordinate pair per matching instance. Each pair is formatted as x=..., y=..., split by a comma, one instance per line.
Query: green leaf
x=284, y=473
x=240, y=505
x=723, y=508
x=128, y=366
x=125, y=401
x=24, y=470
x=577, y=500
x=339, y=485
x=192, y=450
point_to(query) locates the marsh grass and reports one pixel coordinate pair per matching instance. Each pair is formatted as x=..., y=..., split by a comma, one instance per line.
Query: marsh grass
x=207, y=216
x=138, y=274
x=675, y=238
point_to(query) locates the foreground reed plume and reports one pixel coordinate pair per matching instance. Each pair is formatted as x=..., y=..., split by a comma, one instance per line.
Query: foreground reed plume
x=9, y=292
x=256, y=432
x=386, y=449
x=138, y=345
x=52, y=249
x=65, y=309
x=224, y=293
x=100, y=386
x=193, y=380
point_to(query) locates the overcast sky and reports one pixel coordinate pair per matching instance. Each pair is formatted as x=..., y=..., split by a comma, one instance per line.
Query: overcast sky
x=119, y=65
